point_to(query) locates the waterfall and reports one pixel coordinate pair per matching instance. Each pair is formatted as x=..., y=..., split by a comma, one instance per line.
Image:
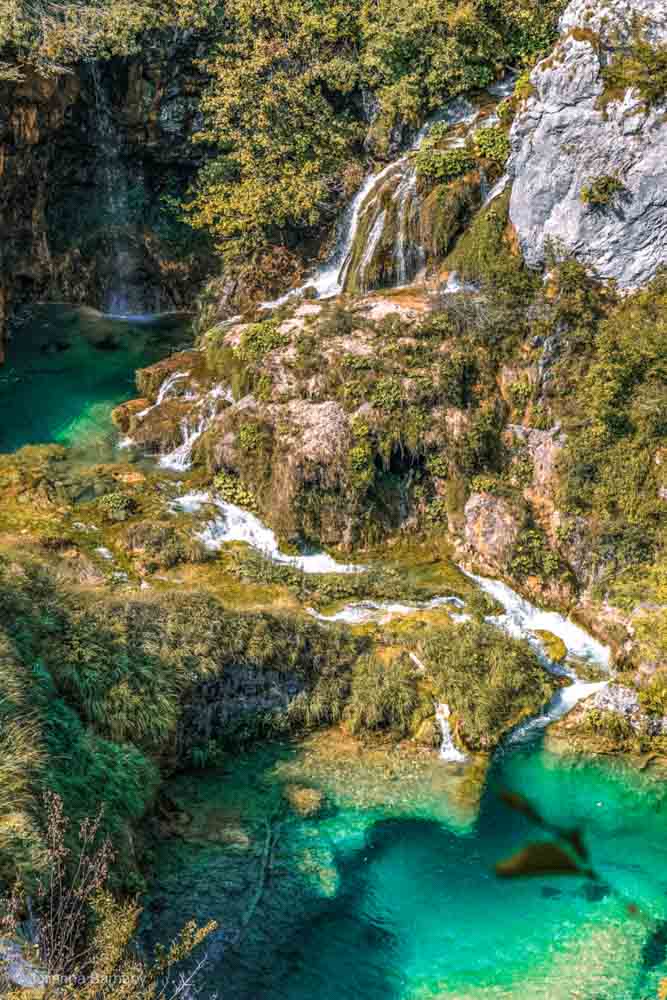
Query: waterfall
x=448, y=749
x=521, y=618
x=193, y=427
x=164, y=392
x=122, y=294
x=363, y=212
x=233, y=524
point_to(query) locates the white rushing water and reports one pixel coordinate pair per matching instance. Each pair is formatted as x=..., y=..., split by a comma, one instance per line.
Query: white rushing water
x=193, y=426
x=329, y=280
x=233, y=524
x=164, y=392
x=521, y=618
x=448, y=749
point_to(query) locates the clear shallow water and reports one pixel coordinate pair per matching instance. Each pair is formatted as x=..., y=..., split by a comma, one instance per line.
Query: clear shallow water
x=68, y=367
x=389, y=893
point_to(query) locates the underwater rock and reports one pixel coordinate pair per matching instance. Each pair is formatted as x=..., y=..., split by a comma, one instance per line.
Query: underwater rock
x=305, y=801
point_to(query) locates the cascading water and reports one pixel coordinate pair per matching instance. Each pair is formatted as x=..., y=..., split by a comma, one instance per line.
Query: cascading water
x=194, y=426
x=393, y=190
x=233, y=524
x=448, y=749
x=122, y=296
x=165, y=392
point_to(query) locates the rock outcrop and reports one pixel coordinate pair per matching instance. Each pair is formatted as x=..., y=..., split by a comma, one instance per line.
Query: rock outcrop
x=491, y=530
x=59, y=239
x=578, y=127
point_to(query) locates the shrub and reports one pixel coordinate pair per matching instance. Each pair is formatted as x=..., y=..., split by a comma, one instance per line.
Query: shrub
x=442, y=165
x=232, y=490
x=258, y=339
x=642, y=66
x=533, y=557
x=492, y=144
x=383, y=696
x=653, y=697
x=601, y=192
x=116, y=506
x=489, y=680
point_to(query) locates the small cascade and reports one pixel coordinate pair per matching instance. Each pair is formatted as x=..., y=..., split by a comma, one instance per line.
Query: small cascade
x=448, y=749
x=562, y=702
x=193, y=426
x=233, y=524
x=521, y=619
x=165, y=392
x=385, y=248
x=123, y=296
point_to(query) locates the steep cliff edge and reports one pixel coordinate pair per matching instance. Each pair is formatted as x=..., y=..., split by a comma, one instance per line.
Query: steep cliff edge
x=87, y=159
x=589, y=146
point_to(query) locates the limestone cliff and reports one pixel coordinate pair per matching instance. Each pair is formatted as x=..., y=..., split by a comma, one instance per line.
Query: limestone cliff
x=589, y=146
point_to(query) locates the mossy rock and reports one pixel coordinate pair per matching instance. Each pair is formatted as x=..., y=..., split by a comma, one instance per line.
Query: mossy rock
x=554, y=647
x=428, y=733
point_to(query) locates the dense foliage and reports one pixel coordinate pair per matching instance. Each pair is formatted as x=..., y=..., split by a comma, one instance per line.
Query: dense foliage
x=489, y=680
x=91, y=689
x=299, y=84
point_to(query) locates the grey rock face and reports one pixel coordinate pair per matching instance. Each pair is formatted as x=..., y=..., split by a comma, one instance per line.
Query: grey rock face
x=562, y=140
x=616, y=698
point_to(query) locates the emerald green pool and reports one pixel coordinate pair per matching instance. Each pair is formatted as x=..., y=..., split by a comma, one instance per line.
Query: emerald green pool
x=69, y=366
x=389, y=892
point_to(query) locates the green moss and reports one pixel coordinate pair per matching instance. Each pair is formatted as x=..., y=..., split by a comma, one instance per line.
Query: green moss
x=554, y=646
x=232, y=490
x=258, y=339
x=442, y=165
x=602, y=191
x=484, y=254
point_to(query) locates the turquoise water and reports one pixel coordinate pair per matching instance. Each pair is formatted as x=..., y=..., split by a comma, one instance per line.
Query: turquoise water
x=68, y=367
x=389, y=893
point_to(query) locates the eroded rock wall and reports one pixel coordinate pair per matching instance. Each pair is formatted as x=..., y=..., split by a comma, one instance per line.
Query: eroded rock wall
x=56, y=233
x=572, y=131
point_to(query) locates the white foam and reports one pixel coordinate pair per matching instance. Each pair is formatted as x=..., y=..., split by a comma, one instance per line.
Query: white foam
x=448, y=749
x=233, y=524
x=164, y=392
x=561, y=703
x=193, y=427
x=521, y=619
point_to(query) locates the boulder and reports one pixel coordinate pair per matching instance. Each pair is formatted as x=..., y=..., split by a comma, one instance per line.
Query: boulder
x=492, y=528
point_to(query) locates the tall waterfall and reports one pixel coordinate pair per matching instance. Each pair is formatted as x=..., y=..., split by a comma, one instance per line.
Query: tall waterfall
x=122, y=289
